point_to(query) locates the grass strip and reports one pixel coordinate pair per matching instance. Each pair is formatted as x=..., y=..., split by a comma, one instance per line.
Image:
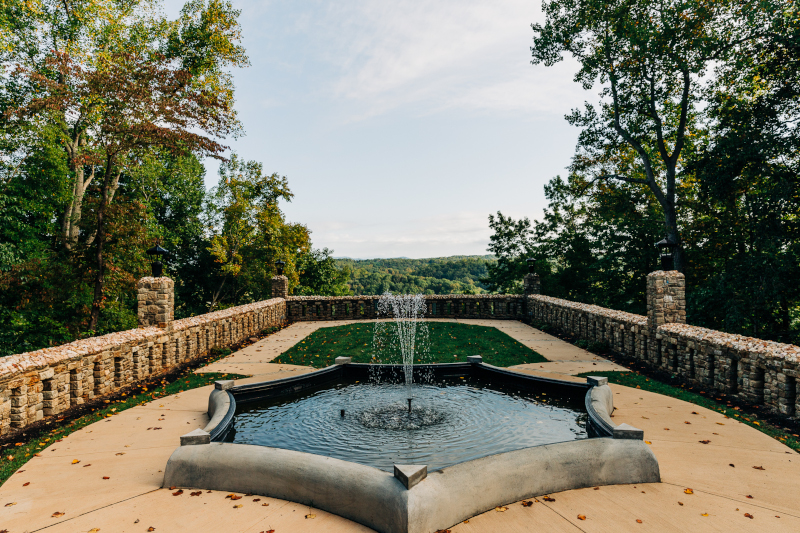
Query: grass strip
x=636, y=380
x=450, y=342
x=14, y=455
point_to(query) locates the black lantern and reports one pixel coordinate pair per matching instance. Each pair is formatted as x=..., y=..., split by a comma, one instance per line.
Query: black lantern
x=158, y=267
x=531, y=265
x=667, y=247
x=279, y=265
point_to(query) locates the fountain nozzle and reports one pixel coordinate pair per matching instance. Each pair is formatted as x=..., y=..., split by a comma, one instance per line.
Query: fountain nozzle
x=409, y=405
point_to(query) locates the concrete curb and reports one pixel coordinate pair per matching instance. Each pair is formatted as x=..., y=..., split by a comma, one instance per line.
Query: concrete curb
x=445, y=497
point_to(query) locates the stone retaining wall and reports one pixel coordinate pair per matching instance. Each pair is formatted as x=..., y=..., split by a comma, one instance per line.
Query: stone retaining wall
x=490, y=306
x=46, y=382
x=756, y=371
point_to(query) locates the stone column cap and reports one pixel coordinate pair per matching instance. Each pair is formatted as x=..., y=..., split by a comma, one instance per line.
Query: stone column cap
x=475, y=359
x=196, y=437
x=224, y=384
x=341, y=360
x=410, y=475
x=597, y=381
x=626, y=431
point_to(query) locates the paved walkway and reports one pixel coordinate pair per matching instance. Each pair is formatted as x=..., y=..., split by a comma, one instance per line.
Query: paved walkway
x=131, y=449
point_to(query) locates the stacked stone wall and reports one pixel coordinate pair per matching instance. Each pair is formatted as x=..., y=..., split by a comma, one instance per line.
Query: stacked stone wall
x=488, y=306
x=758, y=372
x=46, y=382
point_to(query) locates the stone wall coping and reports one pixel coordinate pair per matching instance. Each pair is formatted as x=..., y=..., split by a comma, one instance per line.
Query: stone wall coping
x=427, y=297
x=621, y=316
x=15, y=364
x=733, y=341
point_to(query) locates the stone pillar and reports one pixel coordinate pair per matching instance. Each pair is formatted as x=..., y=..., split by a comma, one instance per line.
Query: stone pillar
x=666, y=298
x=280, y=287
x=666, y=304
x=156, y=302
x=532, y=284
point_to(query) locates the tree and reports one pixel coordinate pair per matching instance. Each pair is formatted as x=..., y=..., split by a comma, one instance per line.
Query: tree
x=140, y=88
x=320, y=275
x=650, y=58
x=249, y=232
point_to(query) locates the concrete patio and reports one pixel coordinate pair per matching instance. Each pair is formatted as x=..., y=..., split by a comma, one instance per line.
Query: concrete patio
x=115, y=484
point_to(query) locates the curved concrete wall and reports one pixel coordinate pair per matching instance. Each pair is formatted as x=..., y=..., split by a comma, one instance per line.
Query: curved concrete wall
x=445, y=497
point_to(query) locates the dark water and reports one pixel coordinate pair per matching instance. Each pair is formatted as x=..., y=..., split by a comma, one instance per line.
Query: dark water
x=448, y=424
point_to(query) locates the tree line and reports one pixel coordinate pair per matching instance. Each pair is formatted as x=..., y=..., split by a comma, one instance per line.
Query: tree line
x=107, y=110
x=695, y=137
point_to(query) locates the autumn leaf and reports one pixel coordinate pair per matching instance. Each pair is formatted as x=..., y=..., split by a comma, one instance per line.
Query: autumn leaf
x=680, y=503
x=688, y=491
x=311, y=516
x=197, y=493
x=257, y=500
x=527, y=504
x=581, y=517
x=704, y=441
x=57, y=514
x=501, y=509
x=638, y=521
x=748, y=515
x=106, y=477
x=704, y=514
x=178, y=492
x=76, y=461
x=26, y=484
x=238, y=505
x=648, y=442
x=264, y=505
x=151, y=529
x=759, y=468
x=233, y=497
x=93, y=530
x=732, y=465
x=749, y=496
x=10, y=504
x=549, y=499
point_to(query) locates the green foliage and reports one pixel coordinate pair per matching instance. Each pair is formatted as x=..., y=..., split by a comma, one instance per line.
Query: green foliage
x=638, y=381
x=320, y=275
x=450, y=342
x=441, y=275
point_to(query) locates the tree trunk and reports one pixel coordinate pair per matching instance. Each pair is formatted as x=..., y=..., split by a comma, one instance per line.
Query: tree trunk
x=109, y=185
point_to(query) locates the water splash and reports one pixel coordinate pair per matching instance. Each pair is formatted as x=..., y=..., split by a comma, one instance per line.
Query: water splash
x=401, y=333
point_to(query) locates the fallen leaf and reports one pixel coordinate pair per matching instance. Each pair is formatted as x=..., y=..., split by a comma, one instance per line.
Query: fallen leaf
x=748, y=515
x=597, y=488
x=90, y=464
x=527, y=504
x=638, y=521
x=648, y=442
x=93, y=530
x=734, y=466
x=121, y=453
x=581, y=517
x=680, y=503
x=151, y=529
x=10, y=504
x=26, y=484
x=264, y=505
x=106, y=477
x=549, y=499
x=237, y=505
x=720, y=424
x=233, y=497
x=257, y=500
x=704, y=514
x=694, y=412
x=57, y=514
x=688, y=491
x=749, y=496
x=704, y=441
x=76, y=461
x=197, y=493
x=687, y=422
x=501, y=509
x=666, y=429
x=759, y=468
x=178, y=492
x=311, y=516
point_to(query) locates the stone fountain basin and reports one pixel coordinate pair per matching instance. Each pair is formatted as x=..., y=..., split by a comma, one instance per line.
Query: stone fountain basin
x=412, y=499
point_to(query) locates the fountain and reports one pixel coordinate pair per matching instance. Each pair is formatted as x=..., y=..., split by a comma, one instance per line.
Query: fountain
x=360, y=441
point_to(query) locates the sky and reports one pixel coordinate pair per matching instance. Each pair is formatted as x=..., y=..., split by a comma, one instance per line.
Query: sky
x=401, y=126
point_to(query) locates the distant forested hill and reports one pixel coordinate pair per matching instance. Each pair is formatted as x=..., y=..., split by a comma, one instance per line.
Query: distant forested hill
x=458, y=274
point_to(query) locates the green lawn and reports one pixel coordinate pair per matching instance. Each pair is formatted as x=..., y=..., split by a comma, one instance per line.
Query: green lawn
x=636, y=380
x=16, y=454
x=446, y=340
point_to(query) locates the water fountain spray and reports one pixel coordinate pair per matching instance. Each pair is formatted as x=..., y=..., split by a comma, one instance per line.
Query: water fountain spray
x=408, y=310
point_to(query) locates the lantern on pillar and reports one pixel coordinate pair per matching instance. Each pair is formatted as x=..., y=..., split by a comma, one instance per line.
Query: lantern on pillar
x=666, y=248
x=158, y=266
x=531, y=265
x=279, y=265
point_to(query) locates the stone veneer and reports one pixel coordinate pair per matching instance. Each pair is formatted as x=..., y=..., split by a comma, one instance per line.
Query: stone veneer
x=156, y=302
x=46, y=382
